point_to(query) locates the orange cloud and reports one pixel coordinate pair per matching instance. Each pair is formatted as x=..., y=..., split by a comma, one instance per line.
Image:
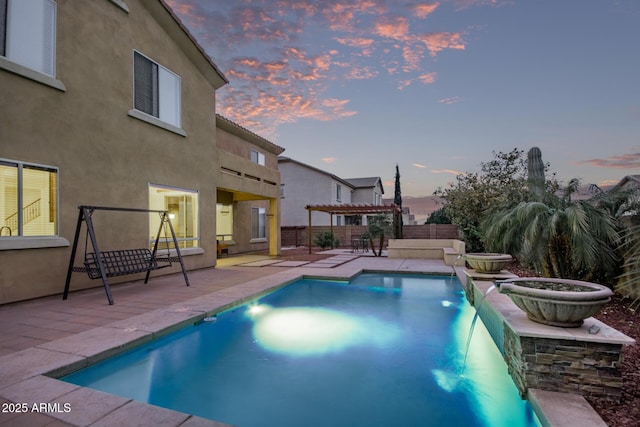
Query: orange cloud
x=329, y=159
x=418, y=165
x=623, y=161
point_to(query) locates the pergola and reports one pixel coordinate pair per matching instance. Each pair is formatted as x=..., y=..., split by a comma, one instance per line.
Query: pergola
x=349, y=210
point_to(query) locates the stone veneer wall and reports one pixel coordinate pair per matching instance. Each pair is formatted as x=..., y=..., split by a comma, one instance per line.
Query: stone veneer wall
x=588, y=368
x=568, y=366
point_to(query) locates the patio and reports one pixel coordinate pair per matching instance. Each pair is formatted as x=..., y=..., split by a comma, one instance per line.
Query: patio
x=49, y=334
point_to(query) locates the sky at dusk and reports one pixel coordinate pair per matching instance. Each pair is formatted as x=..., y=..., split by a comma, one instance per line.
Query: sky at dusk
x=355, y=87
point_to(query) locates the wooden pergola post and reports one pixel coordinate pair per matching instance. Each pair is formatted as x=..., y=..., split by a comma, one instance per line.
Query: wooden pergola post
x=309, y=230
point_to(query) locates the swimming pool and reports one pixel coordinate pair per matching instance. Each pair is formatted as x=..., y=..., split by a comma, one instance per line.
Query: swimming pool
x=382, y=350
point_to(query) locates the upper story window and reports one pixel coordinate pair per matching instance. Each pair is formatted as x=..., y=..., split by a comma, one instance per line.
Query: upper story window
x=338, y=192
x=156, y=90
x=257, y=157
x=28, y=33
x=28, y=199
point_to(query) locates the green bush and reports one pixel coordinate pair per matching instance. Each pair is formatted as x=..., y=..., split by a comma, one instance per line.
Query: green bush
x=325, y=240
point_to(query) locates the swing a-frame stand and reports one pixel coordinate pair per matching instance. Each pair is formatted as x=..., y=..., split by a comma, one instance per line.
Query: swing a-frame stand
x=105, y=264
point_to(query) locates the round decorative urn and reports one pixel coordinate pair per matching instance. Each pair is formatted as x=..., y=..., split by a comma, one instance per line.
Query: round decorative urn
x=556, y=302
x=487, y=262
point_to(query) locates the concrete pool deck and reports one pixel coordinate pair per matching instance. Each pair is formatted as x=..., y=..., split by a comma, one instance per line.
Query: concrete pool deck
x=54, y=337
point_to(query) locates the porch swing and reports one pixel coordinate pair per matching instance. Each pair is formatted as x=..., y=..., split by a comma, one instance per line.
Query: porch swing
x=113, y=263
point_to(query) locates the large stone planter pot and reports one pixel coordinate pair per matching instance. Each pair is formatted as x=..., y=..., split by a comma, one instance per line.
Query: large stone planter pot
x=490, y=263
x=556, y=302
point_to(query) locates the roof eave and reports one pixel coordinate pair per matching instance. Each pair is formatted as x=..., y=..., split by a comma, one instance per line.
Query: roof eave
x=169, y=21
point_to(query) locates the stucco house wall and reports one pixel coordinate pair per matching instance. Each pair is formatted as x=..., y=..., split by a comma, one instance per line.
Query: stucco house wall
x=105, y=155
x=305, y=185
x=244, y=184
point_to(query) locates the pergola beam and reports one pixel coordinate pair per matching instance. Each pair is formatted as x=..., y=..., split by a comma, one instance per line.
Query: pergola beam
x=349, y=210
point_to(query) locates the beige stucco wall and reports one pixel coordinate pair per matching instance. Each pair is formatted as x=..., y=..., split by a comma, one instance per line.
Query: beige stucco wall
x=104, y=156
x=251, y=185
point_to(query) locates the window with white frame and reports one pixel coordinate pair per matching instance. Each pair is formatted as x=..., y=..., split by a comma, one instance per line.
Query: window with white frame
x=258, y=216
x=257, y=157
x=338, y=192
x=182, y=205
x=156, y=90
x=28, y=33
x=28, y=199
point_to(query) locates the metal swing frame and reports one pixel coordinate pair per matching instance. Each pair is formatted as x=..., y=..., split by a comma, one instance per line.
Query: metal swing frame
x=105, y=264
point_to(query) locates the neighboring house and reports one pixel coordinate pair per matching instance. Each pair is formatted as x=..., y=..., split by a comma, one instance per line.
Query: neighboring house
x=304, y=185
x=366, y=191
x=112, y=103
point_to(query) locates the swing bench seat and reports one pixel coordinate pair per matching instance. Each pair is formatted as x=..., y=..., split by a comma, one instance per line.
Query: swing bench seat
x=104, y=264
x=122, y=262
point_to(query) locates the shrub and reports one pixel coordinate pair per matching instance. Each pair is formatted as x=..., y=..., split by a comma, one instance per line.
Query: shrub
x=325, y=240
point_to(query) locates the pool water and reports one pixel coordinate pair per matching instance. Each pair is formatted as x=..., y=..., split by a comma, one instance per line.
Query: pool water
x=383, y=350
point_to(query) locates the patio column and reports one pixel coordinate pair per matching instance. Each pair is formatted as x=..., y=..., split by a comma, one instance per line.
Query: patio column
x=274, y=227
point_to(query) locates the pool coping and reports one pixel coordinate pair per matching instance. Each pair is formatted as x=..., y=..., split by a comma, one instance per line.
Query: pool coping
x=28, y=376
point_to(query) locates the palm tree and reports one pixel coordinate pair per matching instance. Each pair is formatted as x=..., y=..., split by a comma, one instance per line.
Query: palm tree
x=556, y=235
x=629, y=283
x=379, y=226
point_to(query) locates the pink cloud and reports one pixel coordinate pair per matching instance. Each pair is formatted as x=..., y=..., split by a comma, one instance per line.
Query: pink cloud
x=361, y=42
x=465, y=4
x=418, y=165
x=623, y=161
x=396, y=28
x=436, y=42
x=329, y=159
x=428, y=78
x=449, y=101
x=451, y=171
x=425, y=9
x=402, y=84
x=282, y=56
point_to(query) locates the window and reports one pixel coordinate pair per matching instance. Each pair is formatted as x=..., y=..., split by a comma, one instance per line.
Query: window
x=156, y=90
x=258, y=223
x=257, y=157
x=338, y=192
x=282, y=191
x=28, y=33
x=28, y=199
x=183, y=213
